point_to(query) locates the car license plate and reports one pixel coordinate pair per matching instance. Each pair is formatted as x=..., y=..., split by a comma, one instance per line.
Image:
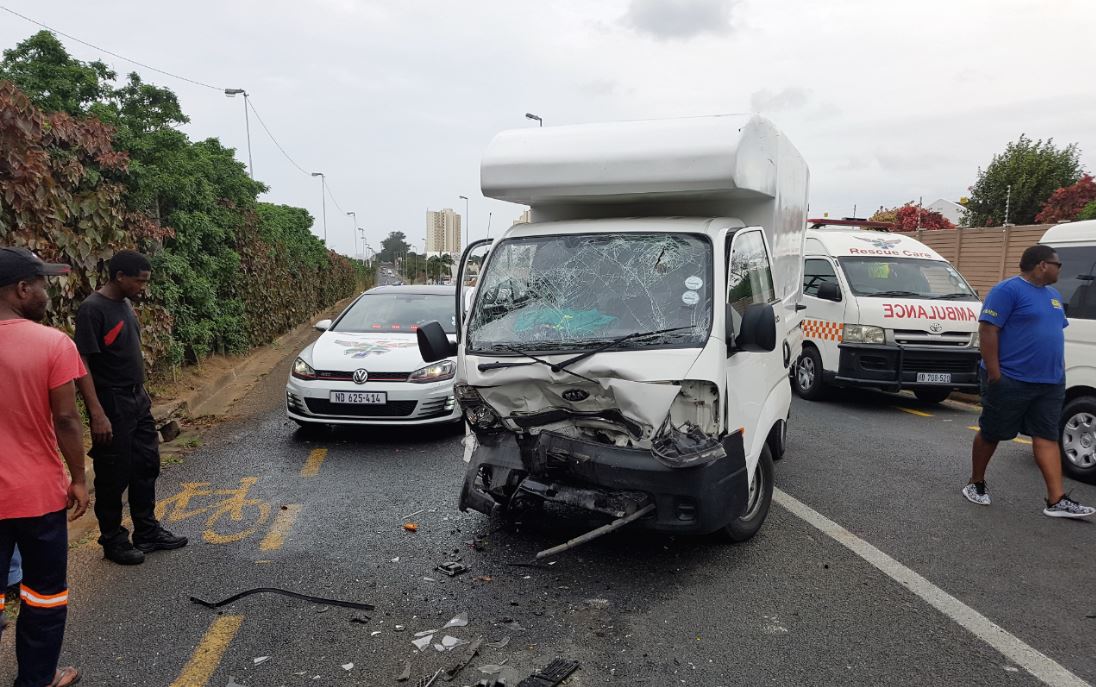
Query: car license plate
x=359, y=397
x=934, y=377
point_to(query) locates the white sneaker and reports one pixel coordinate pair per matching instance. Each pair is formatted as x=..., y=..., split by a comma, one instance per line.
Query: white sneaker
x=976, y=492
x=1068, y=508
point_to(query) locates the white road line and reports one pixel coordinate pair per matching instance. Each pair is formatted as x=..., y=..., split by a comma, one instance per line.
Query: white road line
x=1043, y=667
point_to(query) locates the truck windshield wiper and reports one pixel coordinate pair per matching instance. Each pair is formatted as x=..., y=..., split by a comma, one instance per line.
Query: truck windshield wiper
x=907, y=294
x=616, y=342
x=542, y=361
x=957, y=294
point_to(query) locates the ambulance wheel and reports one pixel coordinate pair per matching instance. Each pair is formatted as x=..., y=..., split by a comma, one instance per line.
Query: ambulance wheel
x=759, y=498
x=1078, y=434
x=807, y=380
x=932, y=395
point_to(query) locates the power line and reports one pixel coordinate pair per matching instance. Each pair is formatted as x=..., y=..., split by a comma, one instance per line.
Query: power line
x=251, y=104
x=114, y=54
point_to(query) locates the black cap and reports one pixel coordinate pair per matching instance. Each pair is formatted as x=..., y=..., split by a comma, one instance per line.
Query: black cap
x=17, y=264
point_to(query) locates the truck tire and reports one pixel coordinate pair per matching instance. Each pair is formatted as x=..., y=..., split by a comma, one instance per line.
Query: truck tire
x=1078, y=439
x=760, y=497
x=932, y=395
x=807, y=375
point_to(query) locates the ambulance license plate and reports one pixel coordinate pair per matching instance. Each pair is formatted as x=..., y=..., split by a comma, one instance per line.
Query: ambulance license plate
x=372, y=398
x=934, y=378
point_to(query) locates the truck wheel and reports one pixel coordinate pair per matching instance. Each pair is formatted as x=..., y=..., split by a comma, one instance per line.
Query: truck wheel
x=932, y=395
x=807, y=380
x=760, y=497
x=1078, y=435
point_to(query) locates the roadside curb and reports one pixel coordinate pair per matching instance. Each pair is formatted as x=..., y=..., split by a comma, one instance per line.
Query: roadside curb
x=193, y=402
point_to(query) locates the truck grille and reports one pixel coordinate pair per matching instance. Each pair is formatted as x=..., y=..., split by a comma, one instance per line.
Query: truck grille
x=937, y=363
x=915, y=337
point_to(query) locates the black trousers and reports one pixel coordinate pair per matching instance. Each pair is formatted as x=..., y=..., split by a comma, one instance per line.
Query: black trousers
x=131, y=461
x=40, y=630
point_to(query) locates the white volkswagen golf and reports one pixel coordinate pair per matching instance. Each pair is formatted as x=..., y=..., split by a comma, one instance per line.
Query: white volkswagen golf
x=365, y=369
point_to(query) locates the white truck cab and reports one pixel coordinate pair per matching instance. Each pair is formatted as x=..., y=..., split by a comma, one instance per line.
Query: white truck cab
x=627, y=352
x=884, y=311
x=1075, y=244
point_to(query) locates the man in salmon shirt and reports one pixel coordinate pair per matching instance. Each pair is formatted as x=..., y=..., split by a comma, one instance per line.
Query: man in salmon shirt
x=38, y=414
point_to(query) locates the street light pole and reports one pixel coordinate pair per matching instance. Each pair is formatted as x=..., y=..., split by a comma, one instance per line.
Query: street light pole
x=352, y=228
x=536, y=118
x=232, y=92
x=323, y=202
x=468, y=221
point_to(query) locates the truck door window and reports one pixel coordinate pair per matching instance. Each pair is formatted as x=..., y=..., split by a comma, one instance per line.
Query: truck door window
x=817, y=272
x=1077, y=281
x=749, y=274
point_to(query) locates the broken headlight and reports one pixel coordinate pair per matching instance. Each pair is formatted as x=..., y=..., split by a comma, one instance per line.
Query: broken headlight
x=479, y=415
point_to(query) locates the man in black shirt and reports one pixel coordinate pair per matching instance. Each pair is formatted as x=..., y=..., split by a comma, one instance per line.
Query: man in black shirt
x=126, y=451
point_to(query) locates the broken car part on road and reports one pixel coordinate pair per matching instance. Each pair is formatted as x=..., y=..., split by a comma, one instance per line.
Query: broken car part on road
x=283, y=592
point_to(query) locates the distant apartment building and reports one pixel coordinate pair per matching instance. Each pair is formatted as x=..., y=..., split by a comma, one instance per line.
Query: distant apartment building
x=443, y=232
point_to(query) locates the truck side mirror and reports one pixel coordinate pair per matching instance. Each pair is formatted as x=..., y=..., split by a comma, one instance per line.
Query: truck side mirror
x=758, y=329
x=434, y=343
x=829, y=291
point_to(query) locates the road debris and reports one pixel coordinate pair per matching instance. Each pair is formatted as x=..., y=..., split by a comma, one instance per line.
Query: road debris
x=459, y=620
x=452, y=568
x=469, y=654
x=396, y=559
x=232, y=682
x=374, y=633
x=348, y=666
x=554, y=673
x=499, y=644
x=482, y=578
x=259, y=660
x=411, y=526
x=598, y=532
x=400, y=628
x=360, y=619
x=411, y=515
x=422, y=642
x=405, y=674
x=428, y=680
x=295, y=595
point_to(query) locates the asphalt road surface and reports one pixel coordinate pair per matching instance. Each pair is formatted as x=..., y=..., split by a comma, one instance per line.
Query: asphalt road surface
x=322, y=514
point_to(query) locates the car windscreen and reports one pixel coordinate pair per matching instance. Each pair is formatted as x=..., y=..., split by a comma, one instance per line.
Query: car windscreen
x=398, y=312
x=907, y=277
x=566, y=291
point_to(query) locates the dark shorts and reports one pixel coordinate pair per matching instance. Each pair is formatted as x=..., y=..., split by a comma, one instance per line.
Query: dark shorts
x=1012, y=407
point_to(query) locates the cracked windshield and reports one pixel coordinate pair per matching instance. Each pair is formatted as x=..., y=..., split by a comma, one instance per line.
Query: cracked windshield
x=562, y=291
x=908, y=277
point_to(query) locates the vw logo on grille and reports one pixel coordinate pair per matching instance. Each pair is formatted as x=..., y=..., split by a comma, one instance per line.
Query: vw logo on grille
x=936, y=327
x=361, y=376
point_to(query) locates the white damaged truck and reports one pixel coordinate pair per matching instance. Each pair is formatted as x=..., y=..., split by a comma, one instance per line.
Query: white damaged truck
x=628, y=351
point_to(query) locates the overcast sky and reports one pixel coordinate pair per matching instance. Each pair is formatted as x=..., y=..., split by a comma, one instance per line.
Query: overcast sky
x=395, y=101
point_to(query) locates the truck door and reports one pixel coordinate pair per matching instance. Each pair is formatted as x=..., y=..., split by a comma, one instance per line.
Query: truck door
x=753, y=377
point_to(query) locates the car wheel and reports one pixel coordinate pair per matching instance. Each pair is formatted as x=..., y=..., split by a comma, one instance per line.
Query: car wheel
x=760, y=497
x=932, y=395
x=1078, y=434
x=807, y=378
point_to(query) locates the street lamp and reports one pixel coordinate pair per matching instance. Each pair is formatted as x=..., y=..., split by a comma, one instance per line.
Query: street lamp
x=352, y=228
x=530, y=115
x=467, y=220
x=232, y=93
x=323, y=201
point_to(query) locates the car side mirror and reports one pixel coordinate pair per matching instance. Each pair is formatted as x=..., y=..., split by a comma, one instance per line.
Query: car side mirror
x=758, y=329
x=434, y=343
x=829, y=291
x=322, y=325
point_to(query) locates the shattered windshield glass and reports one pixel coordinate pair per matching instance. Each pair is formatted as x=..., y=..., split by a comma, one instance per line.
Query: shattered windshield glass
x=562, y=292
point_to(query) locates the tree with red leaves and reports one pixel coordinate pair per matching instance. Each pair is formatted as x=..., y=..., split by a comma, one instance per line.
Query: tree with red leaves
x=905, y=218
x=1065, y=204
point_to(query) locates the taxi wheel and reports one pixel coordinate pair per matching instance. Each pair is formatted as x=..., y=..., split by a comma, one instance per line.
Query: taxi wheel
x=932, y=395
x=807, y=375
x=1078, y=434
x=759, y=498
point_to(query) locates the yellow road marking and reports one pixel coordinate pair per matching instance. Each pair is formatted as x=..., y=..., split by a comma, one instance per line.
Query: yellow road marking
x=315, y=460
x=912, y=411
x=283, y=522
x=207, y=656
x=1018, y=440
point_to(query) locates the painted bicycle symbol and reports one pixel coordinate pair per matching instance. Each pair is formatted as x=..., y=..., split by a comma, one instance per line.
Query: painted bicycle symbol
x=232, y=518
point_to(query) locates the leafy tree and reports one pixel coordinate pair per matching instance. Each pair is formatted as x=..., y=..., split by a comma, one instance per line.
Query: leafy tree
x=395, y=245
x=42, y=69
x=1034, y=169
x=1088, y=212
x=910, y=217
x=1065, y=203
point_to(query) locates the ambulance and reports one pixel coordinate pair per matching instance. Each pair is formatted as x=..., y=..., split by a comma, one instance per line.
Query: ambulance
x=884, y=311
x=628, y=351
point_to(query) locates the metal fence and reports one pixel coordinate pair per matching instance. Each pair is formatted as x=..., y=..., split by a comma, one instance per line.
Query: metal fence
x=983, y=256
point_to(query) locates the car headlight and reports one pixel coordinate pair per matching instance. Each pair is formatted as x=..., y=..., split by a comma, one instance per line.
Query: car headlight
x=860, y=333
x=302, y=370
x=434, y=372
x=976, y=340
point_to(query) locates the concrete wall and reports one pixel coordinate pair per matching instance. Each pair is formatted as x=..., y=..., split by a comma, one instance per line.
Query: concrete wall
x=983, y=256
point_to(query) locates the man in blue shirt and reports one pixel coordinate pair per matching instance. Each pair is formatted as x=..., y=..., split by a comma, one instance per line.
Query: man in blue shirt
x=1023, y=376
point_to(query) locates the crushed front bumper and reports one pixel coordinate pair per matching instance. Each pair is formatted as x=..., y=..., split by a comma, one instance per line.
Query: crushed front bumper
x=607, y=479
x=893, y=368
